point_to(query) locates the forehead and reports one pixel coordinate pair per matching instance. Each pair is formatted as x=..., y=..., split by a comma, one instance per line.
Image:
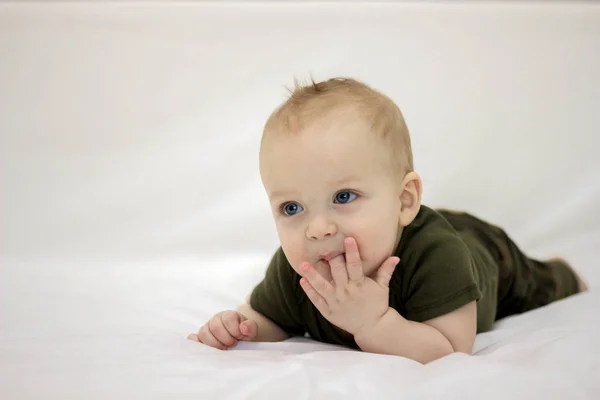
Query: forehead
x=322, y=154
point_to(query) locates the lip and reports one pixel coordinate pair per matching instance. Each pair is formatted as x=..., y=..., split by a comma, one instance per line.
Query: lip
x=330, y=255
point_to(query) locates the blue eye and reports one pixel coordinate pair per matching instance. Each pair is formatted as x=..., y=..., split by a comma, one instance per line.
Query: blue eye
x=290, y=209
x=345, y=197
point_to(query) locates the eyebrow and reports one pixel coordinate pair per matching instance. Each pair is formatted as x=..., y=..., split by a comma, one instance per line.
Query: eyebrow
x=337, y=182
x=281, y=193
x=346, y=179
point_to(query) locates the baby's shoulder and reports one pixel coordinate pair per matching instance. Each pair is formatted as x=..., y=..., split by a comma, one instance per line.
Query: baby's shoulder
x=430, y=248
x=436, y=270
x=430, y=233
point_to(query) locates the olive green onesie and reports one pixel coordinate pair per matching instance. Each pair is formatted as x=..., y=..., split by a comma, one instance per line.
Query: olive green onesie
x=447, y=259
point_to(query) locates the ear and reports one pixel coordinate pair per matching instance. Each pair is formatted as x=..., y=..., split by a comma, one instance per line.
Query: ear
x=410, y=198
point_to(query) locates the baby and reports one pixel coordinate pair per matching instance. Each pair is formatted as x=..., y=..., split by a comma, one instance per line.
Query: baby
x=362, y=263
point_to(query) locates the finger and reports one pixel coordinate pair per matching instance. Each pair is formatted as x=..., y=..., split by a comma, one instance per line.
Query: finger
x=231, y=321
x=314, y=297
x=194, y=337
x=215, y=326
x=386, y=271
x=249, y=330
x=318, y=283
x=204, y=336
x=338, y=271
x=353, y=262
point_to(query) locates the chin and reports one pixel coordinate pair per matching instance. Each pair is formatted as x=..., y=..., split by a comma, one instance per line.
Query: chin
x=369, y=270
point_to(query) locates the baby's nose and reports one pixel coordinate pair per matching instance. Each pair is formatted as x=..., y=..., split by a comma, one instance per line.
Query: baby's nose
x=320, y=228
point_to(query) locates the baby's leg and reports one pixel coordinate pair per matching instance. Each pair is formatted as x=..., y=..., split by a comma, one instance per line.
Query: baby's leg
x=543, y=282
x=524, y=283
x=580, y=282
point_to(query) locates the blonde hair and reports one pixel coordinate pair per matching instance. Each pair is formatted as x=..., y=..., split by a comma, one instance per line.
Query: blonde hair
x=317, y=101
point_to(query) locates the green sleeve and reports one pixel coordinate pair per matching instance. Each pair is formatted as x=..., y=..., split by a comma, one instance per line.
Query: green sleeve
x=436, y=280
x=276, y=298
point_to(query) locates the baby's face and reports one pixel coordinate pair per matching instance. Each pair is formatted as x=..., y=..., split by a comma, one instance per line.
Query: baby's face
x=329, y=183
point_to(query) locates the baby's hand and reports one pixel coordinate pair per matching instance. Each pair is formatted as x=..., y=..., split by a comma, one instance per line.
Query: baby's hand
x=225, y=329
x=351, y=301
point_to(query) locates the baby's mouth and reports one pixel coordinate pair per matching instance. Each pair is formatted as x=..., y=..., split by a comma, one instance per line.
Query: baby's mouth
x=330, y=255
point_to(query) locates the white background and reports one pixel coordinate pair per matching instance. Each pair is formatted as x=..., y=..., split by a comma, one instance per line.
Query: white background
x=132, y=130
x=129, y=132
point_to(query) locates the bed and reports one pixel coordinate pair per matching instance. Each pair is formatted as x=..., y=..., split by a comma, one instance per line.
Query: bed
x=132, y=208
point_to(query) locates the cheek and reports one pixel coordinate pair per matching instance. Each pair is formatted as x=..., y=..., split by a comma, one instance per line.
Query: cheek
x=292, y=246
x=376, y=236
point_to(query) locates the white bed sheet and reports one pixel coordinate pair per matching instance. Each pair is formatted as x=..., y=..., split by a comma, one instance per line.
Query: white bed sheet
x=132, y=208
x=119, y=332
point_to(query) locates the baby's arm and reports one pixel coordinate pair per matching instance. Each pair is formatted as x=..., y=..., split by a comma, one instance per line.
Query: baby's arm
x=422, y=342
x=359, y=305
x=267, y=330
